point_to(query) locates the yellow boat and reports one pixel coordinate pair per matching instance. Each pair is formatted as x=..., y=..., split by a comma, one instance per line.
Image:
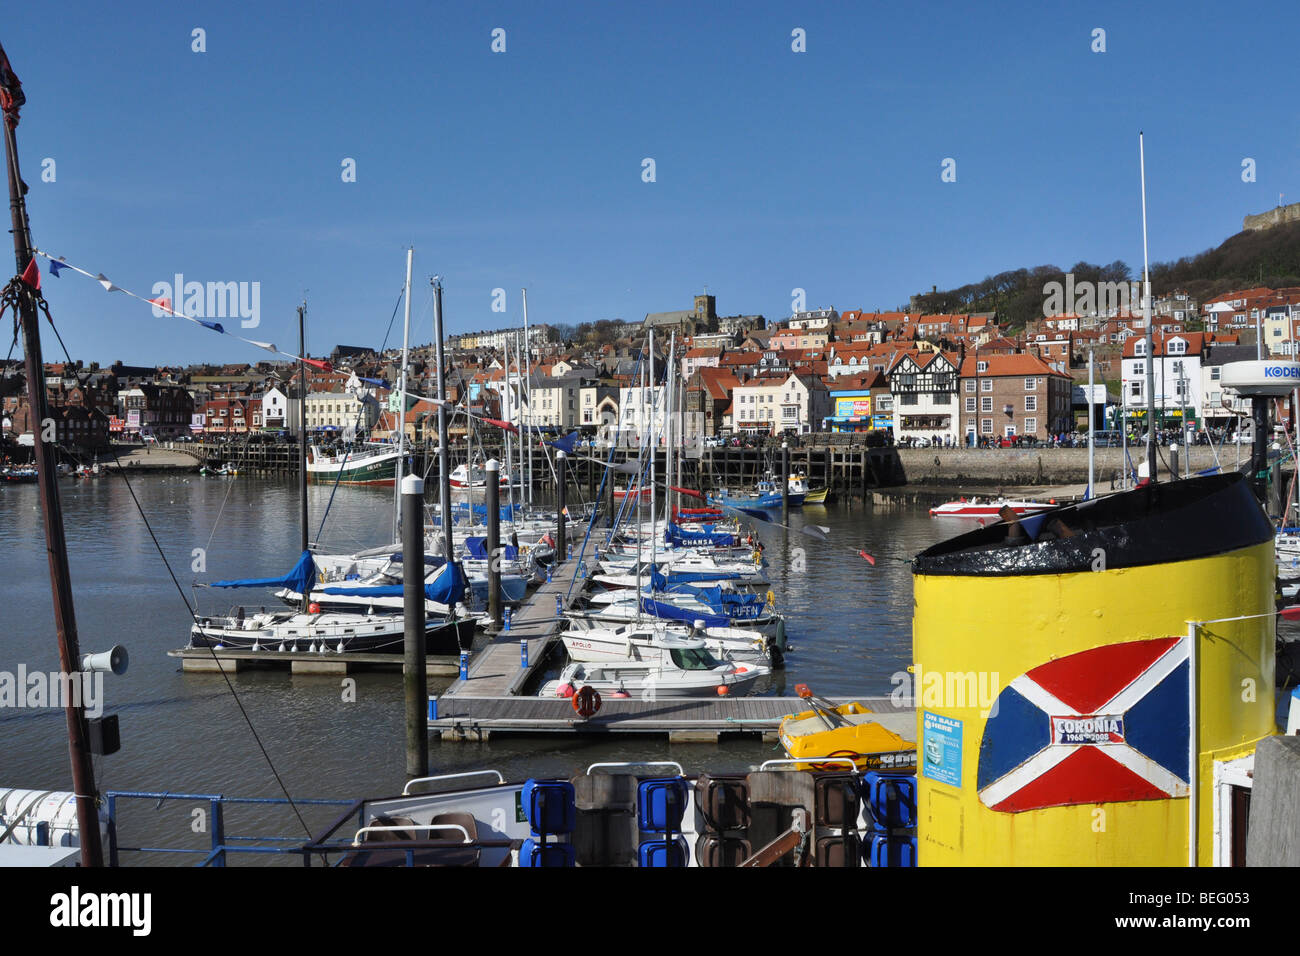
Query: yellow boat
x=873, y=741
x=817, y=497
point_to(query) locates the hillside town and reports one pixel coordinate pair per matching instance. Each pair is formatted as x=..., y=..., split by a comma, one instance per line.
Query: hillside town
x=896, y=377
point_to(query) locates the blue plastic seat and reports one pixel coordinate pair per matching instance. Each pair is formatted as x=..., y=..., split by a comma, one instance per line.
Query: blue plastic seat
x=885, y=850
x=534, y=854
x=658, y=853
x=549, y=806
x=891, y=799
x=661, y=802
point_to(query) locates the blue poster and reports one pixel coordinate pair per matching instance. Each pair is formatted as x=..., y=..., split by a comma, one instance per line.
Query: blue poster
x=941, y=748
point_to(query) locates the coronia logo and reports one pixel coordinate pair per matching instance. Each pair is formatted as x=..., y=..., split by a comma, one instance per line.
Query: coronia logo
x=1089, y=729
x=215, y=300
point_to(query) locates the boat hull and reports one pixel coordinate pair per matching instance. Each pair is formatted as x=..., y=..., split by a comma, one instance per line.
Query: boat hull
x=441, y=638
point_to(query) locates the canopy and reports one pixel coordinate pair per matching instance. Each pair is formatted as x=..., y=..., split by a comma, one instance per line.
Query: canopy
x=446, y=588
x=299, y=580
x=672, y=612
x=477, y=548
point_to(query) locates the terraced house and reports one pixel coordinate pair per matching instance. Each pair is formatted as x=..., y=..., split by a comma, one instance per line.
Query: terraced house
x=924, y=389
x=1004, y=396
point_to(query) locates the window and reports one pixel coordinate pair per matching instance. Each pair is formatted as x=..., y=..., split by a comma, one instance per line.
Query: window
x=970, y=384
x=986, y=385
x=1029, y=385
x=970, y=404
x=986, y=426
x=1140, y=347
x=1139, y=368
x=1031, y=403
x=986, y=403
x=908, y=398
x=1135, y=389
x=981, y=366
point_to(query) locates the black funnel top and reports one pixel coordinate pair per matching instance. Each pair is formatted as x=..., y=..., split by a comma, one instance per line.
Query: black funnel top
x=1175, y=521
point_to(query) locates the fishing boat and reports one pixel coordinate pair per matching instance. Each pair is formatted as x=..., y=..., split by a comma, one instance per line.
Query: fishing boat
x=851, y=730
x=621, y=493
x=374, y=466
x=462, y=480
x=988, y=508
x=688, y=670
x=19, y=474
x=817, y=497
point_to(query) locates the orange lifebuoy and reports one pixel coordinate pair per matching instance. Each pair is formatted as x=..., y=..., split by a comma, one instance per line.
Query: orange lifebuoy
x=586, y=701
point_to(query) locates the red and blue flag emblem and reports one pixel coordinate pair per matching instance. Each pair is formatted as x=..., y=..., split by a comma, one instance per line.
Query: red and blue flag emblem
x=1101, y=726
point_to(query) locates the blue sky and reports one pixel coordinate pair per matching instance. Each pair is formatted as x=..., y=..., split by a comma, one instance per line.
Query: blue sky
x=775, y=170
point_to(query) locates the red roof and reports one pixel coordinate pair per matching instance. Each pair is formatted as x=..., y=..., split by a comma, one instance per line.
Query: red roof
x=1195, y=342
x=998, y=365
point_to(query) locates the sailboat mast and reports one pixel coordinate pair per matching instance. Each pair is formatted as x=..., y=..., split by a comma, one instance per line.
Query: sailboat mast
x=302, y=443
x=505, y=413
x=401, y=405
x=527, y=367
x=1146, y=317
x=444, y=454
x=56, y=546
x=654, y=448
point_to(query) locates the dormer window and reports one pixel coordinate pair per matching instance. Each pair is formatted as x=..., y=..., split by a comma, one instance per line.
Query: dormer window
x=1140, y=347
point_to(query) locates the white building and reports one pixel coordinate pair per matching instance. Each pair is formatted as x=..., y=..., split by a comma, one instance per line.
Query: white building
x=924, y=389
x=1179, y=388
x=641, y=410
x=279, y=411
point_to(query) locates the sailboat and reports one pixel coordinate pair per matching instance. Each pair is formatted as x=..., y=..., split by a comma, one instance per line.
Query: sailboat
x=310, y=628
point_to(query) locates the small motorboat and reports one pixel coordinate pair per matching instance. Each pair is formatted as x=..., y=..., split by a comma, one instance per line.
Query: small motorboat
x=873, y=741
x=688, y=670
x=461, y=478
x=817, y=497
x=621, y=493
x=989, y=508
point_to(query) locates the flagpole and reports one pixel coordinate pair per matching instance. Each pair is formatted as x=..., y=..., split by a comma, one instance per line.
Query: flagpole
x=56, y=545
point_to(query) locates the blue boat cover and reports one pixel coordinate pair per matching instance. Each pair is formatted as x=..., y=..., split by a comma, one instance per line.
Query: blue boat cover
x=675, y=534
x=445, y=588
x=661, y=582
x=300, y=579
x=671, y=612
x=725, y=602
x=477, y=548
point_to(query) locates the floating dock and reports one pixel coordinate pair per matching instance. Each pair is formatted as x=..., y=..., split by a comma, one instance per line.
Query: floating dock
x=681, y=720
x=203, y=660
x=497, y=670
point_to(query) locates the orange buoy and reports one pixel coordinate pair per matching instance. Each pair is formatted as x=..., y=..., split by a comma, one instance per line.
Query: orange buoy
x=723, y=690
x=564, y=690
x=313, y=608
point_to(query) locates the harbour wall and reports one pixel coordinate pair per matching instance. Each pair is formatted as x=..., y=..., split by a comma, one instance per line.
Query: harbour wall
x=1011, y=467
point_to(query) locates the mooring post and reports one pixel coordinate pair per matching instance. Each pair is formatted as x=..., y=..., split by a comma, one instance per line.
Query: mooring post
x=414, y=678
x=494, y=540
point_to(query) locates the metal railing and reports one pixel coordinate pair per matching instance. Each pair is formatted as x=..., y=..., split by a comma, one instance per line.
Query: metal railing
x=220, y=843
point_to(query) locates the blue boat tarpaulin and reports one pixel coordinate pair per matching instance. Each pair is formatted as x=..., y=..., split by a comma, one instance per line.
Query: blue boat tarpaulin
x=672, y=612
x=477, y=548
x=300, y=579
x=445, y=588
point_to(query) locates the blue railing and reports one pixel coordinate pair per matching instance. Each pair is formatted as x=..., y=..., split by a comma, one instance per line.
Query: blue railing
x=220, y=843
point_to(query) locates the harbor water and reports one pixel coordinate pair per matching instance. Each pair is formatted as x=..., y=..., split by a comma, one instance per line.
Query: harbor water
x=848, y=621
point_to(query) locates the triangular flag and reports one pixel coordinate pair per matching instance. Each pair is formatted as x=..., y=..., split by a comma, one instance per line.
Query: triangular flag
x=162, y=302
x=870, y=560
x=262, y=345
x=318, y=363
x=819, y=531
x=107, y=283
x=32, y=275
x=55, y=266
x=214, y=326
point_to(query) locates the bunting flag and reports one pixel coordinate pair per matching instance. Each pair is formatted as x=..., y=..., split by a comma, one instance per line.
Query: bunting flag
x=32, y=275
x=491, y=421
x=868, y=558
x=564, y=444
x=819, y=531
x=163, y=304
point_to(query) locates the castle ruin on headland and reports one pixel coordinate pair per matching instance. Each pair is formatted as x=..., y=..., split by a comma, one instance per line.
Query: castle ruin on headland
x=1274, y=217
